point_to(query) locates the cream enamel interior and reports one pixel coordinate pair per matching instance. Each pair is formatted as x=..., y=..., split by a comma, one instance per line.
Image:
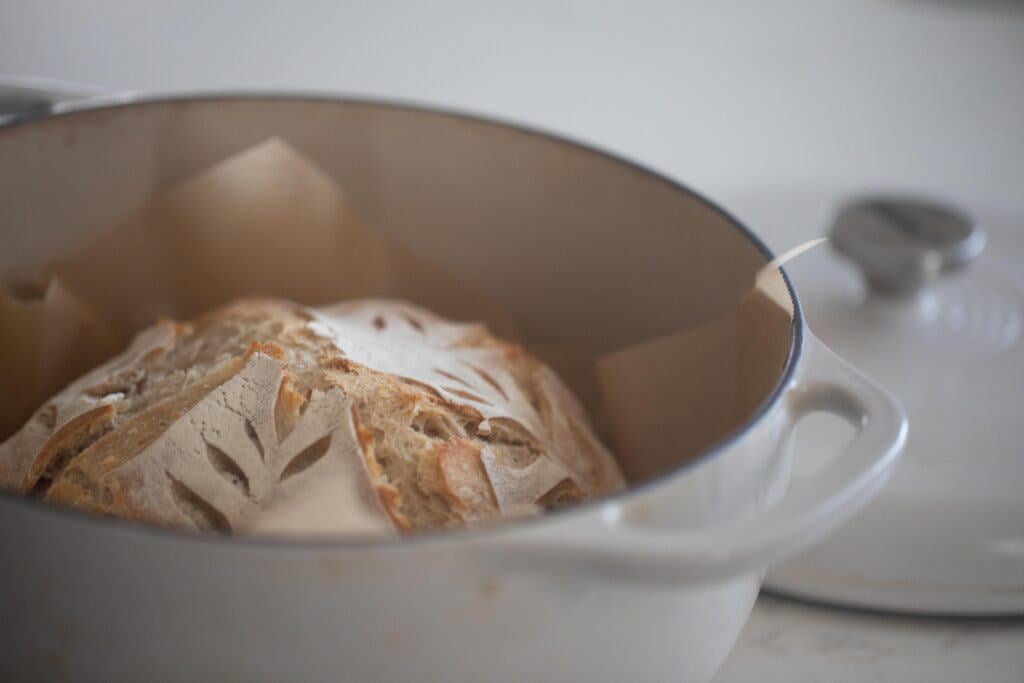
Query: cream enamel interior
x=585, y=251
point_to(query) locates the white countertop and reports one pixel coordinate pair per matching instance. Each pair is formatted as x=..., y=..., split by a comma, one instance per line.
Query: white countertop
x=794, y=641
x=916, y=94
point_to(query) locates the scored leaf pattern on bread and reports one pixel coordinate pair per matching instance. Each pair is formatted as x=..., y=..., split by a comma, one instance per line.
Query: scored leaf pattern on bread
x=223, y=466
x=463, y=365
x=409, y=342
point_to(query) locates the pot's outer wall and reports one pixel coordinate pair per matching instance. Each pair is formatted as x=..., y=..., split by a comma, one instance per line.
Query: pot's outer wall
x=88, y=601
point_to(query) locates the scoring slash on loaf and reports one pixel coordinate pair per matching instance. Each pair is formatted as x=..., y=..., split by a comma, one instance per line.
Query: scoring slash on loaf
x=269, y=417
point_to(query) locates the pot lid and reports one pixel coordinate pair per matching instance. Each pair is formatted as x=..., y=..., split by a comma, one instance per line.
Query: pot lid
x=910, y=293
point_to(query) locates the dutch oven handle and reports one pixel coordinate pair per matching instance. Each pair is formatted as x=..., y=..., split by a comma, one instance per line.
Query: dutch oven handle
x=23, y=97
x=804, y=515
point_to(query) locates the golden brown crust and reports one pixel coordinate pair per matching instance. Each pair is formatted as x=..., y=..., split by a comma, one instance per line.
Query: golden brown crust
x=71, y=439
x=463, y=479
x=392, y=502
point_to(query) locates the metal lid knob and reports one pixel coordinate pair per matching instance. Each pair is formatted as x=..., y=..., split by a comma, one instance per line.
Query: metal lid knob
x=901, y=245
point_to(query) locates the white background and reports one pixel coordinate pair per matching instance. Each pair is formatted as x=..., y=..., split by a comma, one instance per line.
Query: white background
x=923, y=92
x=738, y=99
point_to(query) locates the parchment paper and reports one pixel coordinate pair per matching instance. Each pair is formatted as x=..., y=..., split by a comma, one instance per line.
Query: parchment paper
x=269, y=222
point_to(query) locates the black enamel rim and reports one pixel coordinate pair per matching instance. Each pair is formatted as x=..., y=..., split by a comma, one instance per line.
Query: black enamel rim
x=325, y=543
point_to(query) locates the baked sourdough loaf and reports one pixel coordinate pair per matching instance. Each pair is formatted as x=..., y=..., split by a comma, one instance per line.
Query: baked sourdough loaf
x=267, y=416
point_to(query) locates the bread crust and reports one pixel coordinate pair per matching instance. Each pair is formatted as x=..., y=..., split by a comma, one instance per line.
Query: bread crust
x=267, y=416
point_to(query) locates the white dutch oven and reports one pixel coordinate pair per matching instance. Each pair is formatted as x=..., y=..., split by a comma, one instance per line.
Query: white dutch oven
x=654, y=583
